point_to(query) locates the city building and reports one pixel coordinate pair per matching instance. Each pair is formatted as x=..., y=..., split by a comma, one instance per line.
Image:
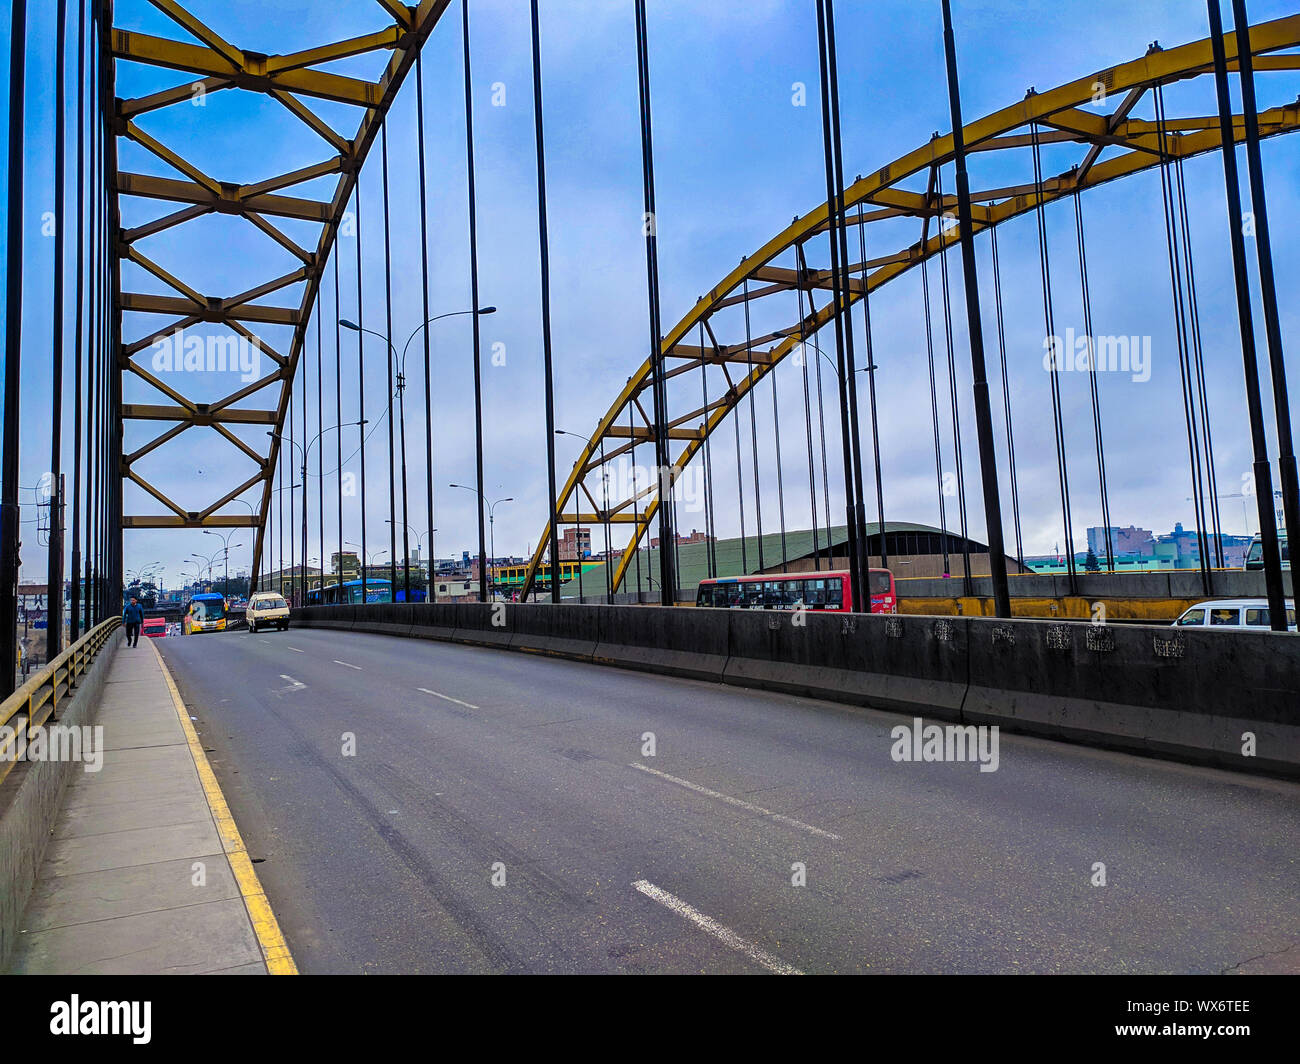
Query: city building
x=575, y=543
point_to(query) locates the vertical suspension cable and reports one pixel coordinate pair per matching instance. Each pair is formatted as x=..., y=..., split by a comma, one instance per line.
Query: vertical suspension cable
x=1092, y=380
x=1286, y=460
x=361, y=391
x=320, y=428
x=663, y=473
x=338, y=417
x=740, y=492
x=92, y=347
x=474, y=303
x=807, y=415
x=710, y=549
x=9, y=512
x=952, y=393
x=1169, y=202
x=1199, y=365
x=934, y=416
x=862, y=594
x=78, y=374
x=1006, y=394
x=388, y=337
x=839, y=301
x=753, y=425
x=821, y=416
x=543, y=242
x=871, y=384
x=780, y=480
x=1045, y=275
x=54, y=581
x=424, y=299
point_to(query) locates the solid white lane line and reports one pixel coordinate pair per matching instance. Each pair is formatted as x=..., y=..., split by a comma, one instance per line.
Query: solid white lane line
x=337, y=662
x=711, y=926
x=467, y=705
x=749, y=806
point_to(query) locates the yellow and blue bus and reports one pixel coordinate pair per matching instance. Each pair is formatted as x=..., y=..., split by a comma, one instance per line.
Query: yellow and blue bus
x=207, y=613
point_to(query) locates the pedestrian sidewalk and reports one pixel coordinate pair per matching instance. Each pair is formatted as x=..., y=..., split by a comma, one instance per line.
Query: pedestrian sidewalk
x=146, y=872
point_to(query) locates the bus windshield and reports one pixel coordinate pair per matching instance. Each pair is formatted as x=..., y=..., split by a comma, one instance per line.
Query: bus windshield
x=208, y=609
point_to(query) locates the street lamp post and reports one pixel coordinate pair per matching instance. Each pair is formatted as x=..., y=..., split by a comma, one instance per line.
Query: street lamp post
x=483, y=567
x=401, y=417
x=305, y=451
x=225, y=543
x=288, y=487
x=367, y=557
x=418, y=536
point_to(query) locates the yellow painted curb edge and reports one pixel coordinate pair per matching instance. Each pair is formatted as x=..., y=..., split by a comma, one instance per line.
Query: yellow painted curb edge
x=279, y=961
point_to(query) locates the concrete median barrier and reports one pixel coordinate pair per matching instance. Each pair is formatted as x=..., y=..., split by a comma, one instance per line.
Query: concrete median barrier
x=677, y=642
x=909, y=664
x=1221, y=698
x=564, y=631
x=432, y=621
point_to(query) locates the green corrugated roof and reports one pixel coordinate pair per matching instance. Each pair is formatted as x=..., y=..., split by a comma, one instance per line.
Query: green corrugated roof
x=693, y=558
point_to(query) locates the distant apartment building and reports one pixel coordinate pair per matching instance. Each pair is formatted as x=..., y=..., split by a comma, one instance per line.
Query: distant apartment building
x=575, y=543
x=695, y=537
x=1126, y=542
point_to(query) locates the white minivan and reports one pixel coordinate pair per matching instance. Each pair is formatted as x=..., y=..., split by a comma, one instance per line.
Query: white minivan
x=1243, y=615
x=267, y=609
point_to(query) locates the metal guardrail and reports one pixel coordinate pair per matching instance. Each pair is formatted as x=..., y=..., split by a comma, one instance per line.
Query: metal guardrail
x=38, y=699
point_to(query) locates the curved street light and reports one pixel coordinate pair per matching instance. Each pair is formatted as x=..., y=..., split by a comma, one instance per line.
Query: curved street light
x=401, y=411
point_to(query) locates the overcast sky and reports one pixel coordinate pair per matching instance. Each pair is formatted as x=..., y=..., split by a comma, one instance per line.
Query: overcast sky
x=736, y=159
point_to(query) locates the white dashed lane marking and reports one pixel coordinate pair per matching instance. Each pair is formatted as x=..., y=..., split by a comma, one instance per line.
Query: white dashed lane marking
x=448, y=698
x=711, y=926
x=737, y=802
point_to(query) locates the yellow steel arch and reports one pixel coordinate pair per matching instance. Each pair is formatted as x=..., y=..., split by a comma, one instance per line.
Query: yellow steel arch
x=881, y=195
x=212, y=64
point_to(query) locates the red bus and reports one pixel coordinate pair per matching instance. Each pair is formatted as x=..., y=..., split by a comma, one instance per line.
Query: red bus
x=786, y=591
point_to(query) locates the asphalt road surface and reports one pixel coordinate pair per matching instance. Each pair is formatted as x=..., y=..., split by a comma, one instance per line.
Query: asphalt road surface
x=423, y=807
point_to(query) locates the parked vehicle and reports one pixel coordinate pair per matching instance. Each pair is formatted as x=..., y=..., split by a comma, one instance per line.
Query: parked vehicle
x=1245, y=615
x=1255, y=555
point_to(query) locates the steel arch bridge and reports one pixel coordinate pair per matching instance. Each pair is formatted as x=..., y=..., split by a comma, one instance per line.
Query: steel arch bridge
x=881, y=196
x=295, y=82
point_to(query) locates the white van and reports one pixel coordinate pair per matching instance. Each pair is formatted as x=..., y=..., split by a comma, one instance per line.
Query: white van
x=1242, y=615
x=267, y=609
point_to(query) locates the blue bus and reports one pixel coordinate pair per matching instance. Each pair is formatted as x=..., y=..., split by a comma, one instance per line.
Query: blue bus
x=350, y=592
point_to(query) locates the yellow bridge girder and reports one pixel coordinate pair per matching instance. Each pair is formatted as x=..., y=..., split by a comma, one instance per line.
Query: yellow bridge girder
x=879, y=196
x=212, y=64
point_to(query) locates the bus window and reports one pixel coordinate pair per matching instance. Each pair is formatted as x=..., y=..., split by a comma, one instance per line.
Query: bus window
x=835, y=593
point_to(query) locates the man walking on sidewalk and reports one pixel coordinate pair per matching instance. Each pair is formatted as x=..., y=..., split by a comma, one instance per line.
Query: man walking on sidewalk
x=132, y=617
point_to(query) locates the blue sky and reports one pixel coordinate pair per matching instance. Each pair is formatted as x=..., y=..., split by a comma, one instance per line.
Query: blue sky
x=735, y=162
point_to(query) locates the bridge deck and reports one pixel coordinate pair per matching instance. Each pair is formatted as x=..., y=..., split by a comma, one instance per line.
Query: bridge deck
x=431, y=807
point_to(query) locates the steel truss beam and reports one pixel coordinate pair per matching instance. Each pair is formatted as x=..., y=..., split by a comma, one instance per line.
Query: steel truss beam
x=212, y=64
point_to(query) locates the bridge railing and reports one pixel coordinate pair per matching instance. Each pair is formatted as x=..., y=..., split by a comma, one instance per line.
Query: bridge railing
x=38, y=699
